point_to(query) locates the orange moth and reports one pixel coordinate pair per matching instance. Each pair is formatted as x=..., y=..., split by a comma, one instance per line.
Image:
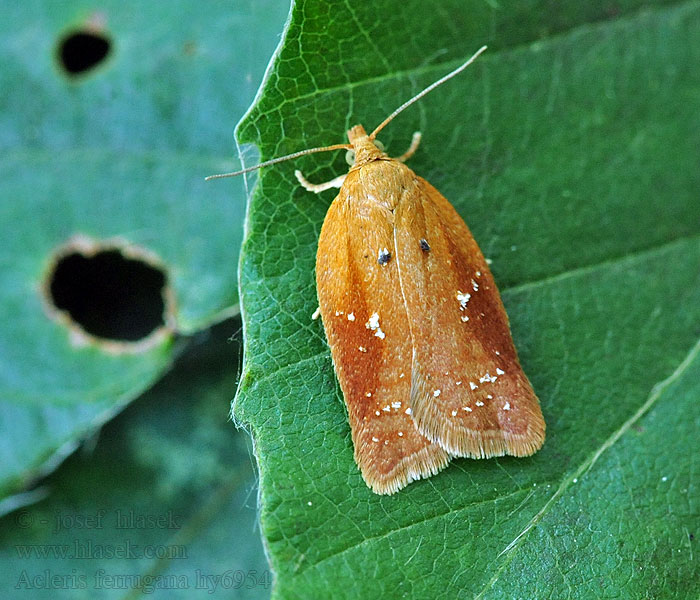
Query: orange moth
x=418, y=334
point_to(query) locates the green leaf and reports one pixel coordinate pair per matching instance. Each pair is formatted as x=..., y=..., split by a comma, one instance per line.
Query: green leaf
x=162, y=503
x=117, y=152
x=571, y=150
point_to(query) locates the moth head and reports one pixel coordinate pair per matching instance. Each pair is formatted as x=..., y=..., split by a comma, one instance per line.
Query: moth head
x=364, y=148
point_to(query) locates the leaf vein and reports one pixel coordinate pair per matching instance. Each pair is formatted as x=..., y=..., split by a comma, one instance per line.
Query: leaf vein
x=392, y=532
x=654, y=395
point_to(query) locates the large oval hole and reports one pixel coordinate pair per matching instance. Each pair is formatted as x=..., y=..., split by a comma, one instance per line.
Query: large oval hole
x=109, y=292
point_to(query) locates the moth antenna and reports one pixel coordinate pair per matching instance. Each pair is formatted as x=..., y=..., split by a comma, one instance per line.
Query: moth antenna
x=267, y=163
x=430, y=88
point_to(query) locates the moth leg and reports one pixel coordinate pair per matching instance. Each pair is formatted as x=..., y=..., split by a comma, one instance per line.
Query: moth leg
x=317, y=188
x=415, y=142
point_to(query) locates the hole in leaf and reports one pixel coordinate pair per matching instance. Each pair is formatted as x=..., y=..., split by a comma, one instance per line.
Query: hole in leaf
x=81, y=51
x=109, y=293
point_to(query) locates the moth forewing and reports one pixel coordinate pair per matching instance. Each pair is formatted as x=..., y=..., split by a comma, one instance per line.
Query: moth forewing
x=365, y=322
x=469, y=393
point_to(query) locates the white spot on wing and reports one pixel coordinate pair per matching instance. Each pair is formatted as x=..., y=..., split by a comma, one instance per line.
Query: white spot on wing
x=487, y=378
x=473, y=385
x=373, y=324
x=500, y=371
x=506, y=406
x=317, y=314
x=463, y=298
x=351, y=316
x=436, y=393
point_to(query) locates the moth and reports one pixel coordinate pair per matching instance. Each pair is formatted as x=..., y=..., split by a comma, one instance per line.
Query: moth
x=419, y=337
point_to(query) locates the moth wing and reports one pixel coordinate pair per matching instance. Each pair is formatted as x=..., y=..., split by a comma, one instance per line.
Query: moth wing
x=469, y=393
x=367, y=330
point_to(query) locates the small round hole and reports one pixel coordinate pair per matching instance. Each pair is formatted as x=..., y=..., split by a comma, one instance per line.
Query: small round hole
x=81, y=51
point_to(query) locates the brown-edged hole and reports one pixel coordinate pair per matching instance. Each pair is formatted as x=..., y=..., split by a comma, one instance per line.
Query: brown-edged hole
x=81, y=51
x=109, y=295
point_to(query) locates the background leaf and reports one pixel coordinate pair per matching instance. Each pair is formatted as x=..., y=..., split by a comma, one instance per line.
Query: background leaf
x=161, y=504
x=120, y=151
x=571, y=151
